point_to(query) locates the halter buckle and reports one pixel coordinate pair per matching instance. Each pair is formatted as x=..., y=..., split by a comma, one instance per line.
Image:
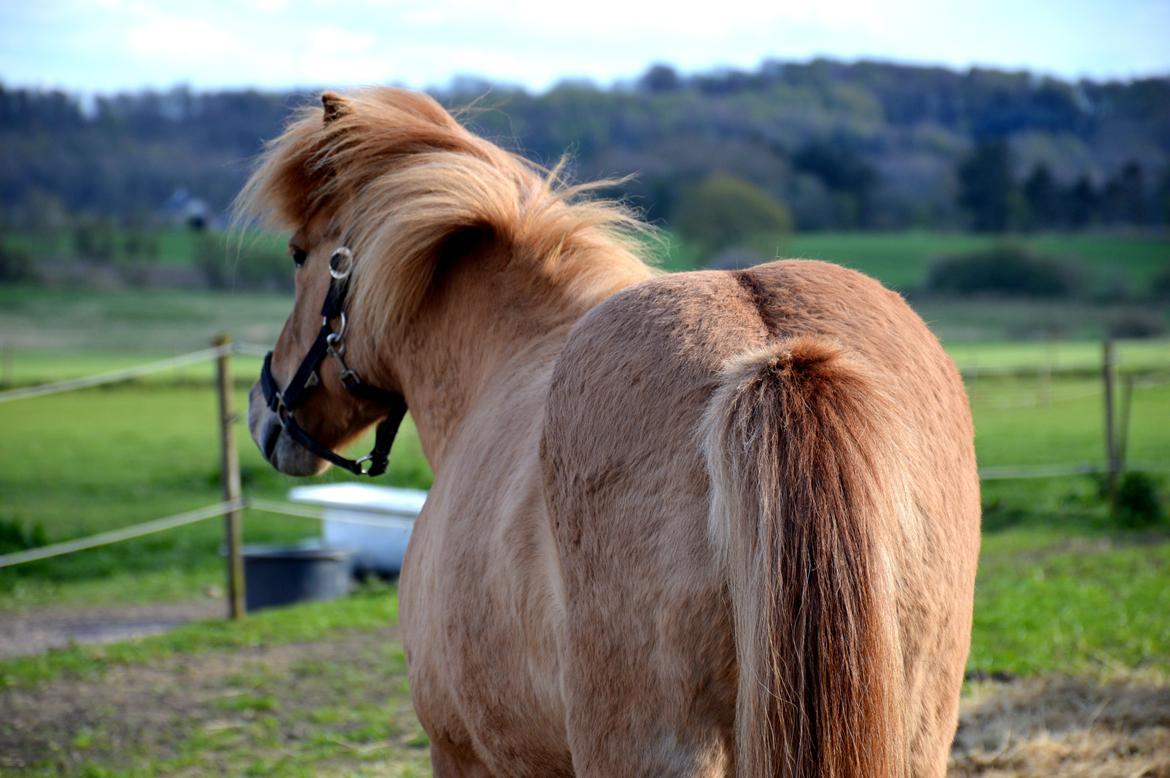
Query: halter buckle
x=366, y=465
x=349, y=379
x=333, y=345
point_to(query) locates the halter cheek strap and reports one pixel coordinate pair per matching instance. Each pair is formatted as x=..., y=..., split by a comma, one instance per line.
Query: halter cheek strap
x=283, y=402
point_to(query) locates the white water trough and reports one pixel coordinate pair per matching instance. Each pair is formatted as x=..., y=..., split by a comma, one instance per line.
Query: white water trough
x=374, y=522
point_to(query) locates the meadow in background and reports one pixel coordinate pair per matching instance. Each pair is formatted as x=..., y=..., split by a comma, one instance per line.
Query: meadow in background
x=1023, y=217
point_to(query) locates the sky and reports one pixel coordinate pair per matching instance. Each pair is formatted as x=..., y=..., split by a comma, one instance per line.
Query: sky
x=89, y=46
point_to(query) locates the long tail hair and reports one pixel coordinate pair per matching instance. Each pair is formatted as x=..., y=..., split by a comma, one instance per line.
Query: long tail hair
x=804, y=513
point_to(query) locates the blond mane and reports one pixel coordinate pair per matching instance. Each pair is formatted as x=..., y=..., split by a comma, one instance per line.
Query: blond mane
x=398, y=175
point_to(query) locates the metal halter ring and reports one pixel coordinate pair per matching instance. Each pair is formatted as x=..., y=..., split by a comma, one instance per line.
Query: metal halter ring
x=334, y=338
x=341, y=254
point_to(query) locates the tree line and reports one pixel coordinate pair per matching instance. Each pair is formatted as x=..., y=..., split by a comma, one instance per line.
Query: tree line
x=997, y=200
x=832, y=145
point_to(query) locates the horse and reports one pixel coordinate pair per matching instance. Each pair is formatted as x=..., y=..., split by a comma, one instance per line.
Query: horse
x=696, y=524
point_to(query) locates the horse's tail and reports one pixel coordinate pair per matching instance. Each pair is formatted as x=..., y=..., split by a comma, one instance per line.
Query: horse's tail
x=804, y=507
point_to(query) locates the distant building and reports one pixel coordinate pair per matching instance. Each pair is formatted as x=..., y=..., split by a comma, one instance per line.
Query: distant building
x=183, y=208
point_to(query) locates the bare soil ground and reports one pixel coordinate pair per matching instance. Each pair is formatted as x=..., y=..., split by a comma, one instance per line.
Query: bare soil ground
x=340, y=706
x=36, y=631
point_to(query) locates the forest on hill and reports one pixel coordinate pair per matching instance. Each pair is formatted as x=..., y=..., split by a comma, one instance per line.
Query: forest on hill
x=822, y=145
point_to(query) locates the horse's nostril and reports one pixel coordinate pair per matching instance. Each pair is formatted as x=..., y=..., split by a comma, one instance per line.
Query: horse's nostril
x=268, y=437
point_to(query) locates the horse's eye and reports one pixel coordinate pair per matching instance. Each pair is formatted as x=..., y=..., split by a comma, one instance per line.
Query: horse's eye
x=298, y=255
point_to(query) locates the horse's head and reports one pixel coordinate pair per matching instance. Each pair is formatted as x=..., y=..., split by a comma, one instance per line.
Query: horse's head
x=405, y=228
x=314, y=395
x=311, y=398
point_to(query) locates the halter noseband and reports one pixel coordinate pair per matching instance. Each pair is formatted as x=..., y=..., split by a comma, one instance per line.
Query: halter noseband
x=328, y=343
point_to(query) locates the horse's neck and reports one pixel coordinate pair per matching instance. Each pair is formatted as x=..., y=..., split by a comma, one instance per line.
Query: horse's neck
x=486, y=321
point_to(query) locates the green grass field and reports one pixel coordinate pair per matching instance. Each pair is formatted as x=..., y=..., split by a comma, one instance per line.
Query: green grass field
x=1061, y=588
x=126, y=454
x=901, y=259
x=155, y=245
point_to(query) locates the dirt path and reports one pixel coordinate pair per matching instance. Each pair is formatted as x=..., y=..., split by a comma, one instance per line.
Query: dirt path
x=36, y=631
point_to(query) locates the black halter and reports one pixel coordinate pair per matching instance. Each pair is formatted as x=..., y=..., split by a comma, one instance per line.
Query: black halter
x=328, y=343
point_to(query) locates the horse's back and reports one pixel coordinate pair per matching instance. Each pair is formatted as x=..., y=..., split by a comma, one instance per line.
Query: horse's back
x=649, y=650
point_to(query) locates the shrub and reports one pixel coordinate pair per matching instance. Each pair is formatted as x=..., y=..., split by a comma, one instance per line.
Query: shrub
x=141, y=245
x=1004, y=271
x=16, y=265
x=737, y=258
x=258, y=267
x=251, y=267
x=16, y=536
x=211, y=259
x=1138, y=324
x=1160, y=284
x=725, y=211
x=1138, y=504
x=94, y=242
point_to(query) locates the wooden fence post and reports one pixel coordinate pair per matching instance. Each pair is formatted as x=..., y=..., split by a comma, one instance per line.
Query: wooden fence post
x=1127, y=382
x=1111, y=452
x=230, y=478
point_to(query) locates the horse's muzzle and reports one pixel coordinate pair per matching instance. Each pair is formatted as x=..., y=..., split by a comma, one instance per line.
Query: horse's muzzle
x=281, y=451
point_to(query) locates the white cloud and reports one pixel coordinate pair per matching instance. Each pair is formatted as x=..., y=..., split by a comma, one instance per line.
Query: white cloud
x=110, y=44
x=268, y=6
x=171, y=38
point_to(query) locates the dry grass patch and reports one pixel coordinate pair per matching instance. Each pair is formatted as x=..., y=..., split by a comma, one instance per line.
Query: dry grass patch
x=1065, y=727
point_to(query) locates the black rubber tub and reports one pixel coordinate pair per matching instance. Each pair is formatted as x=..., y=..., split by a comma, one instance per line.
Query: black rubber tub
x=283, y=575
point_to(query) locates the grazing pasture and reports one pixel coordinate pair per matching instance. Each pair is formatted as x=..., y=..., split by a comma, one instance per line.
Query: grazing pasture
x=900, y=259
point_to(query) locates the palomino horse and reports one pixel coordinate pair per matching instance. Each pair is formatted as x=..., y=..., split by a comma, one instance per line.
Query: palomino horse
x=701, y=524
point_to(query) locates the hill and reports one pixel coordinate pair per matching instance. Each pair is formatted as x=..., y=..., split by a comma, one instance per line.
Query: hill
x=842, y=145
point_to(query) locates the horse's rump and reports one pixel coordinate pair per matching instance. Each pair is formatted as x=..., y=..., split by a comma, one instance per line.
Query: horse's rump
x=797, y=455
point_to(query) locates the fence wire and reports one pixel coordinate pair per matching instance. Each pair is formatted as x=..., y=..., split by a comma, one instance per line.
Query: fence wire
x=130, y=373
x=114, y=376
x=119, y=535
x=251, y=349
x=342, y=514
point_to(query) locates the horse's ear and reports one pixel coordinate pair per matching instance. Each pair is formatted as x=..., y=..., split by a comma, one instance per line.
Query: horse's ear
x=335, y=105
